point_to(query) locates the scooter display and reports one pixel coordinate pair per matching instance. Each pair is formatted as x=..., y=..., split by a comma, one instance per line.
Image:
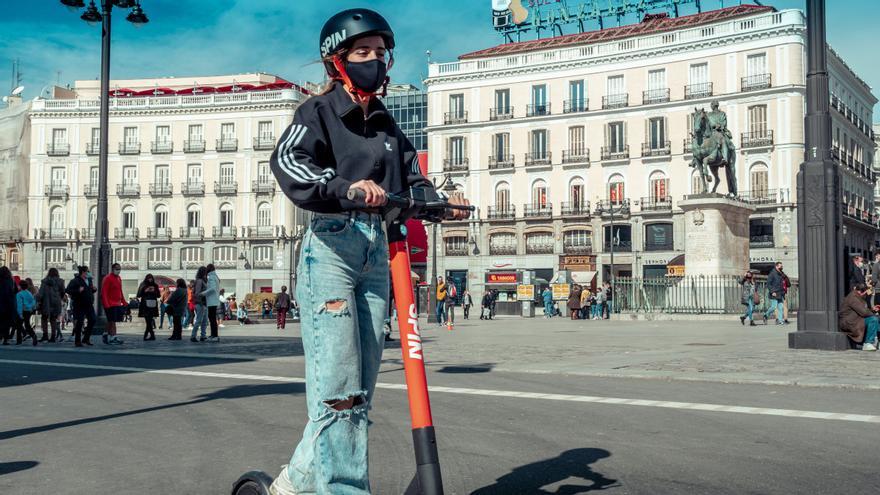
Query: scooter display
x=421, y=204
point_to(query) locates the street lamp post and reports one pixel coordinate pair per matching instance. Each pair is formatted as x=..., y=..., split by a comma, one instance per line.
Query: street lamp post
x=820, y=244
x=101, y=249
x=448, y=187
x=612, y=210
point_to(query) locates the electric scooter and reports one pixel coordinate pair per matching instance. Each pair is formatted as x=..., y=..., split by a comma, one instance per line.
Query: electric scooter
x=416, y=203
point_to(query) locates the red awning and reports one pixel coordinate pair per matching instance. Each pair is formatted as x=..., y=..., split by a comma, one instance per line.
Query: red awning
x=155, y=92
x=121, y=92
x=235, y=88
x=197, y=90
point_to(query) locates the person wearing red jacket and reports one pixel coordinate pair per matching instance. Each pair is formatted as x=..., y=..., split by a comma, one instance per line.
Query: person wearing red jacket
x=114, y=303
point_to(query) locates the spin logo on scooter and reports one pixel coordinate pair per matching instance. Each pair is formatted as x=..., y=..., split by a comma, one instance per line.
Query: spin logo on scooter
x=414, y=338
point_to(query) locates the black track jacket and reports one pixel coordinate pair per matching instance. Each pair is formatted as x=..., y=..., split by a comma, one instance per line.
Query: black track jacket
x=330, y=145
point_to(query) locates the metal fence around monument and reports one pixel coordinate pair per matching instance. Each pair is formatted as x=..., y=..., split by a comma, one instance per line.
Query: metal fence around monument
x=694, y=295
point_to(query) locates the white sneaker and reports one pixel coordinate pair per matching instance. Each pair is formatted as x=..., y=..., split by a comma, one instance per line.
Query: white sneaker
x=282, y=484
x=869, y=347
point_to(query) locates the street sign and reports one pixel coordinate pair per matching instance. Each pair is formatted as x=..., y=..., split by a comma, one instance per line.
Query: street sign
x=525, y=292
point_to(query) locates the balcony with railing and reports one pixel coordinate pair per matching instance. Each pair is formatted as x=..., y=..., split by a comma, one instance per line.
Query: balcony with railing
x=615, y=152
x=502, y=249
x=766, y=197
x=755, y=82
x=503, y=212
x=194, y=146
x=458, y=164
x=658, y=148
x=500, y=161
x=579, y=248
x=192, y=188
x=128, y=190
x=264, y=143
x=687, y=145
x=58, y=149
x=860, y=215
x=226, y=187
x=537, y=109
x=652, y=96
x=87, y=233
x=57, y=191
x=450, y=118
x=538, y=158
x=263, y=186
x=159, y=233
x=620, y=246
x=224, y=233
x=537, y=211
x=575, y=209
x=227, y=144
x=159, y=264
x=615, y=101
x=123, y=234
x=606, y=207
x=192, y=233
x=161, y=147
x=540, y=248
x=130, y=148
x=90, y=190
x=699, y=90
x=576, y=156
x=54, y=234
x=456, y=250
x=93, y=148
x=760, y=139
x=761, y=241
x=575, y=106
x=501, y=113
x=656, y=203
x=265, y=232
x=158, y=189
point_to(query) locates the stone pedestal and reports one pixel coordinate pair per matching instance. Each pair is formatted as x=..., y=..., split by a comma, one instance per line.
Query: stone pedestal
x=716, y=235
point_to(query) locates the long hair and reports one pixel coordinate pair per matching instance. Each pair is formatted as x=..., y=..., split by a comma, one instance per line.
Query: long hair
x=202, y=273
x=181, y=283
x=53, y=272
x=5, y=274
x=147, y=281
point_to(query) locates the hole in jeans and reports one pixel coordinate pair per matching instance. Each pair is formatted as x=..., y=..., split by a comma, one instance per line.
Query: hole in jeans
x=336, y=307
x=343, y=404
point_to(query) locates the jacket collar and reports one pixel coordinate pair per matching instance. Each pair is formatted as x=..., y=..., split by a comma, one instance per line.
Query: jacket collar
x=345, y=107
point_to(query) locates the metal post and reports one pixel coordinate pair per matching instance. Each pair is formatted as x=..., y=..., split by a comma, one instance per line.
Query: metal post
x=820, y=244
x=611, y=310
x=100, y=259
x=432, y=297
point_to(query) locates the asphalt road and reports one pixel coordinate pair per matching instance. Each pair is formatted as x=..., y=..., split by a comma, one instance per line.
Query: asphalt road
x=96, y=423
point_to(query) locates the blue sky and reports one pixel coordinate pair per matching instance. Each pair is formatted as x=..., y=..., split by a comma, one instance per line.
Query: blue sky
x=210, y=37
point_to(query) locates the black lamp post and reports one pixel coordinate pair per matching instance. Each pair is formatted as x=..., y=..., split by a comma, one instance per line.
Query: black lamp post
x=620, y=208
x=448, y=187
x=100, y=261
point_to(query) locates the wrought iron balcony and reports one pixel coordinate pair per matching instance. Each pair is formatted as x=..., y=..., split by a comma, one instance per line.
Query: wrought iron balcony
x=756, y=82
x=131, y=234
x=192, y=233
x=761, y=241
x=263, y=143
x=656, y=203
x=535, y=110
x=227, y=144
x=619, y=246
x=699, y=90
x=58, y=149
x=193, y=188
x=264, y=264
x=500, y=113
x=657, y=149
x=576, y=156
x=542, y=248
x=652, y=96
x=765, y=197
x=504, y=212
x=537, y=211
x=618, y=207
x=265, y=231
x=159, y=233
x=458, y=250
x=130, y=148
x=57, y=191
x=455, y=164
x=159, y=264
x=224, y=232
x=574, y=106
x=506, y=249
x=194, y=146
x=500, y=161
x=226, y=187
x=87, y=233
x=578, y=248
x=128, y=189
x=161, y=189
x=263, y=186
x=687, y=145
x=161, y=147
x=615, y=101
x=90, y=190
x=538, y=158
x=93, y=148
x=615, y=153
x=53, y=234
x=756, y=139
x=455, y=118
x=571, y=209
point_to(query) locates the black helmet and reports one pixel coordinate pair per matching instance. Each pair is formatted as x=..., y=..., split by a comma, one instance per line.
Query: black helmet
x=350, y=24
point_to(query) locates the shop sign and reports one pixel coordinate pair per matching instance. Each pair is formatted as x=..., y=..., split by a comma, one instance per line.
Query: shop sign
x=762, y=259
x=502, y=263
x=656, y=261
x=577, y=262
x=501, y=278
x=560, y=291
x=525, y=292
x=675, y=271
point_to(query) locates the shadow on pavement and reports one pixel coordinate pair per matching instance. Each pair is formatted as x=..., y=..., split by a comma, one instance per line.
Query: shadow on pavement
x=234, y=392
x=467, y=369
x=14, y=467
x=532, y=478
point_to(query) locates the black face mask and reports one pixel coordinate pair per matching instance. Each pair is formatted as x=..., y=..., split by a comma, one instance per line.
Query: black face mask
x=367, y=76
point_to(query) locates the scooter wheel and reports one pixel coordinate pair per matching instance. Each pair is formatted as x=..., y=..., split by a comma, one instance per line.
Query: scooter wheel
x=252, y=483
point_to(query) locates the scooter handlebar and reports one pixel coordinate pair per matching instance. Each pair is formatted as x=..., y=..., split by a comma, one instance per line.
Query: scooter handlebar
x=394, y=200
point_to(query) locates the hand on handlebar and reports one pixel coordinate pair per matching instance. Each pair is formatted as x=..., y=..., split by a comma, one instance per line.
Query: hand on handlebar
x=374, y=195
x=459, y=200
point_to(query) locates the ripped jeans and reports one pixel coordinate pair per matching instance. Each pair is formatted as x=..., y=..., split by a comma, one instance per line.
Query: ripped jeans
x=343, y=292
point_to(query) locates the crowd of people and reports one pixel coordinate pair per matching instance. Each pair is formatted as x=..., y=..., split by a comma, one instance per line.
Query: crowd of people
x=583, y=303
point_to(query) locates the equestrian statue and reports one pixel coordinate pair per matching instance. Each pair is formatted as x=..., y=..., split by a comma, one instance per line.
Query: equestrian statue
x=712, y=148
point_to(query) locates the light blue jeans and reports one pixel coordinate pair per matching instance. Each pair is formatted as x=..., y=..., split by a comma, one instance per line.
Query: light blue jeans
x=441, y=312
x=343, y=297
x=201, y=321
x=750, y=308
x=872, y=325
x=775, y=306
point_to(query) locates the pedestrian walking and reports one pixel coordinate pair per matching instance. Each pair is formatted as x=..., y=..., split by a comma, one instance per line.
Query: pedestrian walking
x=774, y=288
x=148, y=309
x=451, y=301
x=599, y=306
x=856, y=273
x=574, y=302
x=200, y=287
x=164, y=294
x=222, y=310
x=113, y=302
x=212, y=298
x=82, y=299
x=466, y=303
x=190, y=305
x=749, y=298
x=282, y=306
x=176, y=309
x=485, y=304
x=66, y=311
x=492, y=302
x=585, y=303
x=441, y=301
x=24, y=309
x=51, y=305
x=786, y=286
x=609, y=301
x=547, y=297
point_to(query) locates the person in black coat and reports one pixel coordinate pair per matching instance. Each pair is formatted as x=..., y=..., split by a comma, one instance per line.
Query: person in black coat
x=7, y=304
x=82, y=296
x=776, y=291
x=148, y=309
x=176, y=309
x=856, y=273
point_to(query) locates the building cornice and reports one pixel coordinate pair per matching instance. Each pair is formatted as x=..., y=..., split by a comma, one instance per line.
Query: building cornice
x=78, y=114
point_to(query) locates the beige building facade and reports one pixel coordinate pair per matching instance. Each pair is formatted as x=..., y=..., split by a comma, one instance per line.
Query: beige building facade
x=551, y=137
x=188, y=180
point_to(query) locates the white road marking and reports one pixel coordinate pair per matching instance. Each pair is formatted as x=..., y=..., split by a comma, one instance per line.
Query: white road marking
x=692, y=406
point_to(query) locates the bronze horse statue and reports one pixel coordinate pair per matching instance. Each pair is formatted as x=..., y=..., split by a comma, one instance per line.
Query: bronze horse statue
x=708, y=154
